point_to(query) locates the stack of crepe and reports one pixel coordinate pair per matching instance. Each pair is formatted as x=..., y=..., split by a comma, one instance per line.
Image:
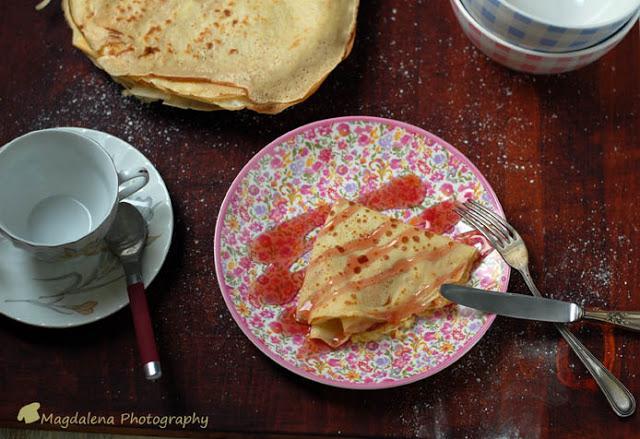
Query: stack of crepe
x=264, y=55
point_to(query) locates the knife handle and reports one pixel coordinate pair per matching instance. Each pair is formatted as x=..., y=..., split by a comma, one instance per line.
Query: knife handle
x=624, y=319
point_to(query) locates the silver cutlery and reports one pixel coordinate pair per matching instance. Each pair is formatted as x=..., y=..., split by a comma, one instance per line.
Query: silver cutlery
x=506, y=240
x=126, y=239
x=533, y=308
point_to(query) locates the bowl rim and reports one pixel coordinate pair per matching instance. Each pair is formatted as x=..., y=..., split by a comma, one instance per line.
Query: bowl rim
x=627, y=14
x=607, y=42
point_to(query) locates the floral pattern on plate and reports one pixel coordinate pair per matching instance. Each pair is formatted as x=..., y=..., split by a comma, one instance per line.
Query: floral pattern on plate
x=346, y=157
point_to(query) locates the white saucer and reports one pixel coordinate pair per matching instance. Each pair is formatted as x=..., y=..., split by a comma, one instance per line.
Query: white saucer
x=63, y=295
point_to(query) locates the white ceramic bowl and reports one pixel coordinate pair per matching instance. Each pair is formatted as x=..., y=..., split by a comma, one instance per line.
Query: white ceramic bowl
x=530, y=61
x=552, y=25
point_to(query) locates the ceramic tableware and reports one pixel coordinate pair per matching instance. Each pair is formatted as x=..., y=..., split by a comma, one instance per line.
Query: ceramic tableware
x=343, y=157
x=59, y=193
x=530, y=61
x=61, y=295
x=552, y=25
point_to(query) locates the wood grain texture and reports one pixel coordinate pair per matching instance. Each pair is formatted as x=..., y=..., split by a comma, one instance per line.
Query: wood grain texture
x=7, y=433
x=562, y=152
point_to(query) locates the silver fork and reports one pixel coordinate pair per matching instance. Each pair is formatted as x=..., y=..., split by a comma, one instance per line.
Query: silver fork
x=507, y=241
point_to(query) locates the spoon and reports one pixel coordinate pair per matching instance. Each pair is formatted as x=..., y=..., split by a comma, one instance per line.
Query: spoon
x=126, y=239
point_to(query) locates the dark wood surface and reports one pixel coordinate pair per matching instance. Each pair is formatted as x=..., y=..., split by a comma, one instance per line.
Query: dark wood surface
x=562, y=152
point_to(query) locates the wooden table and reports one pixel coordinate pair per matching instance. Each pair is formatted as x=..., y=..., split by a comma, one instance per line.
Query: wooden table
x=562, y=152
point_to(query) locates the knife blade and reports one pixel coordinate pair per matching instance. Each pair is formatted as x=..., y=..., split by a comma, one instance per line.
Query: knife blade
x=520, y=306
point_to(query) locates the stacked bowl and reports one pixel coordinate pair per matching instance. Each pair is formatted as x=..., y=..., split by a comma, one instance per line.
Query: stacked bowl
x=546, y=36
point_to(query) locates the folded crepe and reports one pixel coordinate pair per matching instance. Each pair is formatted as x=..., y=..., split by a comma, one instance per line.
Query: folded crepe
x=368, y=270
x=215, y=54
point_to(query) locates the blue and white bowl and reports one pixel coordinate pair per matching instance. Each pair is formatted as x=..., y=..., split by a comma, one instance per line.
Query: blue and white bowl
x=552, y=25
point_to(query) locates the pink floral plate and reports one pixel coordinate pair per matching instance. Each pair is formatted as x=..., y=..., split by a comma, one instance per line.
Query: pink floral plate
x=344, y=157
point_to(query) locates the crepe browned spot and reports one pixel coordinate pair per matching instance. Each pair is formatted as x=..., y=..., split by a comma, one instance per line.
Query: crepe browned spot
x=368, y=271
x=213, y=54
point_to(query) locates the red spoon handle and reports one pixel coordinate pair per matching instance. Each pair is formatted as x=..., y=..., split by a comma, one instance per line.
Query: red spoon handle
x=142, y=323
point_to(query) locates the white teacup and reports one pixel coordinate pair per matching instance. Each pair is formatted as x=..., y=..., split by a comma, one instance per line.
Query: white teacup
x=59, y=193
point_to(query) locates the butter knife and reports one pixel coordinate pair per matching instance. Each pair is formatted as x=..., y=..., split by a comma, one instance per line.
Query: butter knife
x=523, y=306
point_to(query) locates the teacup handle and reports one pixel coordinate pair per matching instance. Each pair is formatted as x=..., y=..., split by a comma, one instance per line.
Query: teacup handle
x=131, y=181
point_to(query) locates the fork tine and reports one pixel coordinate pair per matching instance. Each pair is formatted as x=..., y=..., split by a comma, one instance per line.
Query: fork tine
x=485, y=232
x=481, y=209
x=470, y=218
x=495, y=216
x=497, y=229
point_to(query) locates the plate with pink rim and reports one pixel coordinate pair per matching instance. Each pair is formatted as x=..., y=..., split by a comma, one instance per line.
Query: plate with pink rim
x=344, y=158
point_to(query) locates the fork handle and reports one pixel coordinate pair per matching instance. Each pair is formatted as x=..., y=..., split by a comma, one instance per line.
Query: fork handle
x=619, y=397
x=624, y=319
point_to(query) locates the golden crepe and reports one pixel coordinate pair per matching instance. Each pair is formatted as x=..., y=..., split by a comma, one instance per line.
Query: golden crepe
x=368, y=270
x=265, y=55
